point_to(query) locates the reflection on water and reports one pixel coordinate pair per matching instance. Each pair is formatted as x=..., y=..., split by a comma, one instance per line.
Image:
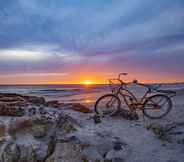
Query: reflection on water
x=88, y=101
x=74, y=93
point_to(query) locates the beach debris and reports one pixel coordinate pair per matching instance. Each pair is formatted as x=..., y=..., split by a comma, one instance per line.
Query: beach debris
x=2, y=130
x=97, y=118
x=127, y=114
x=119, y=153
x=172, y=132
x=81, y=108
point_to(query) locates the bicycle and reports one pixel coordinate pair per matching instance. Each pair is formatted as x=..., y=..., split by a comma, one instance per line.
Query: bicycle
x=153, y=106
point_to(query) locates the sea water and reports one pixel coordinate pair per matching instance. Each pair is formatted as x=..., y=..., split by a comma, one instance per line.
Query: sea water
x=63, y=93
x=74, y=93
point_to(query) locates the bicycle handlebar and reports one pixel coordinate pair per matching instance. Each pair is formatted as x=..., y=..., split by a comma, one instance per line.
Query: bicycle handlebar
x=119, y=80
x=119, y=76
x=149, y=87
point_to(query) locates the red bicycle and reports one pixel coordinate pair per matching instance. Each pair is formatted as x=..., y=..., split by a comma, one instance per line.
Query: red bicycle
x=154, y=106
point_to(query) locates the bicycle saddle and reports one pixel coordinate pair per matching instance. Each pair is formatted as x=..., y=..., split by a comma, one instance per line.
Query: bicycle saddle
x=166, y=91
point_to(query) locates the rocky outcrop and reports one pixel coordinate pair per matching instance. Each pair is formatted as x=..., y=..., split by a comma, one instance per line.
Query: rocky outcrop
x=32, y=138
x=10, y=104
x=15, y=99
x=34, y=130
x=50, y=136
x=35, y=100
x=127, y=114
x=9, y=110
x=77, y=148
x=39, y=131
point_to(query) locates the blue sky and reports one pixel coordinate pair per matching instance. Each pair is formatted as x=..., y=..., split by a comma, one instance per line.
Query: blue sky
x=62, y=37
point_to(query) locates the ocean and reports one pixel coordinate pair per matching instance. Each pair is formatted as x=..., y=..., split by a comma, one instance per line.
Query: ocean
x=74, y=93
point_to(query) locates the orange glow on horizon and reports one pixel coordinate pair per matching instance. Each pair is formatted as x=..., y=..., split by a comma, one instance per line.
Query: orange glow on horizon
x=88, y=77
x=88, y=82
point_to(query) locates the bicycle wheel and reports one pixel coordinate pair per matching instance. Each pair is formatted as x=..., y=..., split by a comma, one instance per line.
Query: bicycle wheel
x=157, y=106
x=107, y=105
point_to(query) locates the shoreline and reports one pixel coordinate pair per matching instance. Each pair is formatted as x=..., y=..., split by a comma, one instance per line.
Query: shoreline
x=50, y=84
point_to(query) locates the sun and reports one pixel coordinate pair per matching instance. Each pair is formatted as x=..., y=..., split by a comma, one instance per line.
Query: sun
x=87, y=82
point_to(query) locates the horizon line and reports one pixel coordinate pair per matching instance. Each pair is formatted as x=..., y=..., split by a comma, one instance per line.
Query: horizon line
x=47, y=84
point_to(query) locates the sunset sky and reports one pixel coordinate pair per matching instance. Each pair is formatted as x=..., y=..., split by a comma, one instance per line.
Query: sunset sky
x=74, y=41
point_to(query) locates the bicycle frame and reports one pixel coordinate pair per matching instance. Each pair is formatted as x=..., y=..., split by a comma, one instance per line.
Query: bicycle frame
x=135, y=104
x=123, y=91
x=153, y=100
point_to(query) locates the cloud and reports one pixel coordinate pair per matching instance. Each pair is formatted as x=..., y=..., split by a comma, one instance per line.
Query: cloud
x=34, y=75
x=21, y=55
x=170, y=22
x=106, y=25
x=47, y=36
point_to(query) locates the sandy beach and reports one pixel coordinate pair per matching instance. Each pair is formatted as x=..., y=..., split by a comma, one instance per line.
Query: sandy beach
x=36, y=129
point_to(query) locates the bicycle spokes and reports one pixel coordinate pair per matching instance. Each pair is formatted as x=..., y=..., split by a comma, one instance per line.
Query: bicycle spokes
x=107, y=105
x=157, y=106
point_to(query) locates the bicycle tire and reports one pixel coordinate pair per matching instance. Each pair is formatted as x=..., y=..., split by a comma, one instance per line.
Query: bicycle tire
x=168, y=109
x=115, y=110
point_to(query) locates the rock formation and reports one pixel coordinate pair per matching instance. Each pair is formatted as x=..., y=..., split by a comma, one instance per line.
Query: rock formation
x=34, y=130
x=38, y=131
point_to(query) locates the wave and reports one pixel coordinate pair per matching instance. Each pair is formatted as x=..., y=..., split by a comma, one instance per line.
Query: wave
x=64, y=92
x=60, y=90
